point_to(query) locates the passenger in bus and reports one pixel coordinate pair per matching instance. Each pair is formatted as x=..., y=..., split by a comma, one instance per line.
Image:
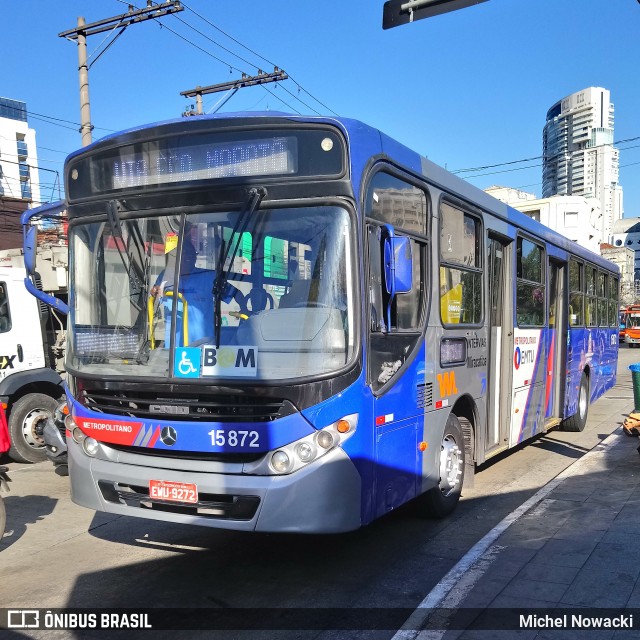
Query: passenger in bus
x=195, y=289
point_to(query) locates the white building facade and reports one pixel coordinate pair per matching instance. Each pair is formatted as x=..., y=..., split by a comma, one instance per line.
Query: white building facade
x=579, y=158
x=626, y=233
x=575, y=217
x=19, y=179
x=624, y=257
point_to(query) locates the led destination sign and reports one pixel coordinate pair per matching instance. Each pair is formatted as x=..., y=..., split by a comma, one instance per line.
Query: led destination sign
x=211, y=156
x=265, y=157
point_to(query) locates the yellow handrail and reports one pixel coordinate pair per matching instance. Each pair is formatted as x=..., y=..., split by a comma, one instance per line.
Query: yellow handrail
x=185, y=318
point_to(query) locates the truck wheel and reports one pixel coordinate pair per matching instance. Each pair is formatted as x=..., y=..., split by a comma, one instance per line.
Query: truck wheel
x=26, y=423
x=442, y=499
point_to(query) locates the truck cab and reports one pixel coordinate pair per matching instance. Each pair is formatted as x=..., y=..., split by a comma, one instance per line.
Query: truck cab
x=29, y=388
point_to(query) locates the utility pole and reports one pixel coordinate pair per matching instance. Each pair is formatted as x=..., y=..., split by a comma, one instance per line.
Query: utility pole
x=232, y=85
x=83, y=72
x=82, y=30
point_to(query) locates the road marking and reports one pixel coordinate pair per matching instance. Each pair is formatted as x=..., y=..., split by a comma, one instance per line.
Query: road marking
x=454, y=587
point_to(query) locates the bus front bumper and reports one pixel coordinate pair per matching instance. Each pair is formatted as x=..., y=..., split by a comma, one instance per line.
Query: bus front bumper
x=323, y=497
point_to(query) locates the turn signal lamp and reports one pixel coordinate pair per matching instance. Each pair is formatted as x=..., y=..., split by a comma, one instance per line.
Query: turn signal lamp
x=343, y=426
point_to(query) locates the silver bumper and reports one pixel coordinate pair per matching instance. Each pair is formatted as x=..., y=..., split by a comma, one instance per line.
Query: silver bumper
x=324, y=497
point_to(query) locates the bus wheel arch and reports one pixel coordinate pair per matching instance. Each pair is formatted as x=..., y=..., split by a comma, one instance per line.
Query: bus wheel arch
x=467, y=413
x=578, y=420
x=456, y=460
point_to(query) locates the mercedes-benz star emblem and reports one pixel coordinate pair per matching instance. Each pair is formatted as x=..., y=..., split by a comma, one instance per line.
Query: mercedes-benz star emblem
x=168, y=436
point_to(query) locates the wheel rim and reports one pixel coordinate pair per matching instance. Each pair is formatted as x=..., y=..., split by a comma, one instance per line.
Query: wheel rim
x=451, y=461
x=33, y=427
x=583, y=401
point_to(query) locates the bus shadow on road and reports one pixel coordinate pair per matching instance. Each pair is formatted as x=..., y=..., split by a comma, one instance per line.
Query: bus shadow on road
x=561, y=447
x=23, y=511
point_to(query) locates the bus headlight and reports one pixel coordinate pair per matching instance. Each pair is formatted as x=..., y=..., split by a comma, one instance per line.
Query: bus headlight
x=324, y=439
x=69, y=423
x=90, y=446
x=281, y=462
x=306, y=451
x=78, y=435
x=298, y=454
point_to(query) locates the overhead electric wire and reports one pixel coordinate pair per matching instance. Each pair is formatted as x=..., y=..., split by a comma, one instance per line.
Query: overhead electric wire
x=163, y=26
x=41, y=116
x=232, y=66
x=504, y=164
x=255, y=53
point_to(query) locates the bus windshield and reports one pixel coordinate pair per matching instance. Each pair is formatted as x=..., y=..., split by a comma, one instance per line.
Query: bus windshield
x=147, y=300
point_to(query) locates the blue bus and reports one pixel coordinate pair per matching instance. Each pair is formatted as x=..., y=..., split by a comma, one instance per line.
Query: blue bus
x=283, y=323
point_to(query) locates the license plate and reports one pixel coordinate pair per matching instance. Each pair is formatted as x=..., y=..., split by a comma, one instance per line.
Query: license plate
x=173, y=491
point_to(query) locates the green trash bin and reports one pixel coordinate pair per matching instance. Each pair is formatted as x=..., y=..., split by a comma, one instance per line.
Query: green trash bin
x=635, y=379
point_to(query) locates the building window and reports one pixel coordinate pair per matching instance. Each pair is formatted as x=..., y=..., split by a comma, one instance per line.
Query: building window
x=23, y=168
x=571, y=219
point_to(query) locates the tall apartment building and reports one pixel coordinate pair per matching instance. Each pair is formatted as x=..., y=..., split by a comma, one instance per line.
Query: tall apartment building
x=579, y=158
x=19, y=181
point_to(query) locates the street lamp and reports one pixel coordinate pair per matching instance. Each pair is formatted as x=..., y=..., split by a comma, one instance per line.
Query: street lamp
x=398, y=12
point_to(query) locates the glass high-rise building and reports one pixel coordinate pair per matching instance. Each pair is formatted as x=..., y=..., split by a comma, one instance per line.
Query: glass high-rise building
x=578, y=153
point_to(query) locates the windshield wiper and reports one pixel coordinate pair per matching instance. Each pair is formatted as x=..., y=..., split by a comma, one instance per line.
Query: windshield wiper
x=256, y=195
x=134, y=274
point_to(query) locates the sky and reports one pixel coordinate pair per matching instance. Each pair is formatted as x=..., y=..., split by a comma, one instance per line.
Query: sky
x=469, y=88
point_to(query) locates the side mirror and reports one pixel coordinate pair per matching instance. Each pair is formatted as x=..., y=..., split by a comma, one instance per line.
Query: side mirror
x=398, y=266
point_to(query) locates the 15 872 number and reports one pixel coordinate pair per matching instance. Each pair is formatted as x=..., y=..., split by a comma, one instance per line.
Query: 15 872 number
x=233, y=438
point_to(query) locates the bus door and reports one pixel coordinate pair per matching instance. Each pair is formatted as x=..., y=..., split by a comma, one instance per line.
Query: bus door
x=554, y=389
x=500, y=370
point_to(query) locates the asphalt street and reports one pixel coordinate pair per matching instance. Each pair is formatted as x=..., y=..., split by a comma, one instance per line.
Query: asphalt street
x=57, y=555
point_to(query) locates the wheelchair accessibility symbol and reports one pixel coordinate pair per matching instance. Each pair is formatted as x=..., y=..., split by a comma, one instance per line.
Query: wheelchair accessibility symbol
x=187, y=362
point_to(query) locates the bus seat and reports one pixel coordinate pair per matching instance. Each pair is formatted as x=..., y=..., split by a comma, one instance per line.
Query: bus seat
x=300, y=292
x=296, y=342
x=257, y=300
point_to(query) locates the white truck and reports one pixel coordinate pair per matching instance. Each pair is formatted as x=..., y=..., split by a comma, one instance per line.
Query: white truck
x=31, y=348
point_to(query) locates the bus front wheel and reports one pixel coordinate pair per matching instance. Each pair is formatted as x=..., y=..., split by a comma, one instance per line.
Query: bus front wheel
x=443, y=498
x=578, y=420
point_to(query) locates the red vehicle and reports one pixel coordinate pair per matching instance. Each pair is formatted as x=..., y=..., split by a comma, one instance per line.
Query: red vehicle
x=4, y=479
x=630, y=317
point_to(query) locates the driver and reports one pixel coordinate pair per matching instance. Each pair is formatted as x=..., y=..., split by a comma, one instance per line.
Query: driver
x=195, y=287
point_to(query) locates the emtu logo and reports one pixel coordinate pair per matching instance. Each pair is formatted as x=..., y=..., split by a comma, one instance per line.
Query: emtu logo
x=528, y=356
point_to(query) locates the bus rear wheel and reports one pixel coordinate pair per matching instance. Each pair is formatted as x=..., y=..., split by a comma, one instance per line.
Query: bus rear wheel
x=443, y=498
x=578, y=420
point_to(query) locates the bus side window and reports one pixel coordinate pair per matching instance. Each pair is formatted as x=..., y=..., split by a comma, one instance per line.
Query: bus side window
x=576, y=295
x=530, y=285
x=460, y=267
x=375, y=281
x=5, y=316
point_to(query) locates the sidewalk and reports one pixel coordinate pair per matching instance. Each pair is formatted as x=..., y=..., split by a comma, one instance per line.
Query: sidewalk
x=576, y=549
